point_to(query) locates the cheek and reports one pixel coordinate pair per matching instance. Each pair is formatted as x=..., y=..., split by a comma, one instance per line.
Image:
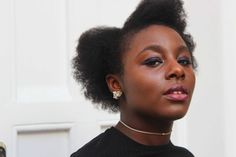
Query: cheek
x=192, y=80
x=142, y=88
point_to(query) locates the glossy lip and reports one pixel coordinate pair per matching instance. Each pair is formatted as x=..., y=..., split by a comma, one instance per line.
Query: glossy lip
x=176, y=93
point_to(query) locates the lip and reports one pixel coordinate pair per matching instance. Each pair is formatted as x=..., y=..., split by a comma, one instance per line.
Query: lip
x=176, y=93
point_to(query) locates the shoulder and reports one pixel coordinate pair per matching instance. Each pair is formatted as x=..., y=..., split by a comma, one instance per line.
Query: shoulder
x=90, y=149
x=181, y=151
x=96, y=146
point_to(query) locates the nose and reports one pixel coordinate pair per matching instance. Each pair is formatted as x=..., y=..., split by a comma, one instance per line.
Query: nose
x=175, y=71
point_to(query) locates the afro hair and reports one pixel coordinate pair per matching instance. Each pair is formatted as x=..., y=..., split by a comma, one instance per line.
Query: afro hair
x=99, y=49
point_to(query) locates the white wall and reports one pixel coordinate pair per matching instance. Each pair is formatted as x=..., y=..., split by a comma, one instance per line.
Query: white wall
x=228, y=24
x=206, y=116
x=212, y=116
x=208, y=129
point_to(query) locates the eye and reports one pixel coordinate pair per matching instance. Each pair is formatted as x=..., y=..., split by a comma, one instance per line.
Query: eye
x=153, y=62
x=185, y=61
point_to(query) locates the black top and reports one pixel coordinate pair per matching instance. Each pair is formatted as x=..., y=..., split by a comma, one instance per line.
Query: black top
x=113, y=143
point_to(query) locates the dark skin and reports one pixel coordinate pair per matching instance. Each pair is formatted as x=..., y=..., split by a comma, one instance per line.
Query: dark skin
x=157, y=60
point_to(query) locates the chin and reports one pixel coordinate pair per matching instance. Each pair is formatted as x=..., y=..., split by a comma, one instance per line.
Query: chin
x=176, y=115
x=173, y=113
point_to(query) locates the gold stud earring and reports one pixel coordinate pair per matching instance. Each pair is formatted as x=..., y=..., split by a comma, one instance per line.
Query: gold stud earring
x=117, y=94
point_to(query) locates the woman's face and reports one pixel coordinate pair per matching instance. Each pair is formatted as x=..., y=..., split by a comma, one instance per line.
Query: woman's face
x=158, y=79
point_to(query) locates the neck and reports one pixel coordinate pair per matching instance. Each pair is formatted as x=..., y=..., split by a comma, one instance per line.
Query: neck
x=146, y=132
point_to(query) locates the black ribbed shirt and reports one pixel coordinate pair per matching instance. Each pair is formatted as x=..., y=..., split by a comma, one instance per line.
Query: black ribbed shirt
x=113, y=143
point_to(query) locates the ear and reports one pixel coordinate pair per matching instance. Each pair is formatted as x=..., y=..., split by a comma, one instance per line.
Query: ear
x=113, y=82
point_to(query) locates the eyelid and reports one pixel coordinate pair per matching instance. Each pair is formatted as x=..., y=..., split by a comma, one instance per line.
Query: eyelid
x=152, y=60
x=185, y=58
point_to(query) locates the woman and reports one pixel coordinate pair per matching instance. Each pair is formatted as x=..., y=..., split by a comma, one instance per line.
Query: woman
x=144, y=70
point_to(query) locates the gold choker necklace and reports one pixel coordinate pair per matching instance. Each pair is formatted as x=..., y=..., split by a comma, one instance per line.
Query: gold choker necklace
x=146, y=132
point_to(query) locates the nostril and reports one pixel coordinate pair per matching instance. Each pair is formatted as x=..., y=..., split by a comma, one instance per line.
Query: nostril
x=172, y=76
x=182, y=76
x=176, y=75
x=175, y=71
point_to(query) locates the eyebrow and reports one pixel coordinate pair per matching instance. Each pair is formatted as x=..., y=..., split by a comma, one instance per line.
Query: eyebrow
x=182, y=48
x=158, y=48
x=155, y=48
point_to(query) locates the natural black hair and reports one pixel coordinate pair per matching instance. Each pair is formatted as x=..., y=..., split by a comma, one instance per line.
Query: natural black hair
x=99, y=50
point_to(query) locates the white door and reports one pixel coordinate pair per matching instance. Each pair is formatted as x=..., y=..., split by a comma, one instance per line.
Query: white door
x=42, y=112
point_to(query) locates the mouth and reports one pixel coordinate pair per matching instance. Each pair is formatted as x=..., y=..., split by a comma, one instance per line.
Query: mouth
x=177, y=94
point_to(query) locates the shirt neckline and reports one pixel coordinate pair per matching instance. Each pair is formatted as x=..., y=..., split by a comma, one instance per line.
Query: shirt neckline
x=139, y=145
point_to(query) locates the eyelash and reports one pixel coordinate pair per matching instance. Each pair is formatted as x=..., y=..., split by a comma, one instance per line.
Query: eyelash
x=185, y=61
x=153, y=62
x=156, y=61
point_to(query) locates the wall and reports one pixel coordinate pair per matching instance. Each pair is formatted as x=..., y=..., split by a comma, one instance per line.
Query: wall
x=206, y=116
x=228, y=24
x=207, y=130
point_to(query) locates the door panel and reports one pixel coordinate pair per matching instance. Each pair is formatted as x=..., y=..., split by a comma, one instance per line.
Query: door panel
x=42, y=140
x=43, y=112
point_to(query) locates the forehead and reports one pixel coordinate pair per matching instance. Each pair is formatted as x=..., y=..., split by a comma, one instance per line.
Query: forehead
x=156, y=35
